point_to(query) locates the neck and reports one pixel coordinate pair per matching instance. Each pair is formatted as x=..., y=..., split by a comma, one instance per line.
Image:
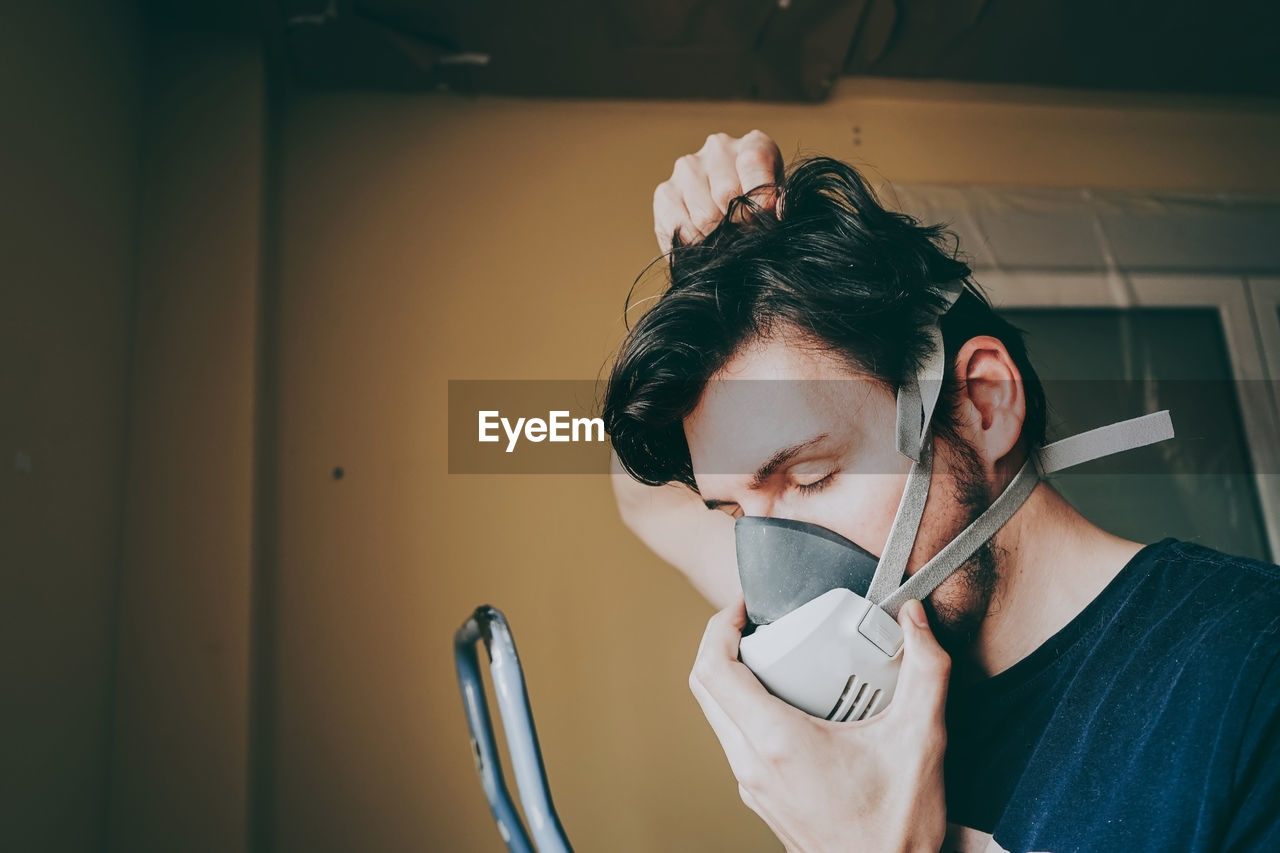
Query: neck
x=1052, y=563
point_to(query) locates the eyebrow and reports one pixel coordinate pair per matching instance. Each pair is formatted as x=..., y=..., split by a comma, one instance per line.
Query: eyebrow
x=771, y=466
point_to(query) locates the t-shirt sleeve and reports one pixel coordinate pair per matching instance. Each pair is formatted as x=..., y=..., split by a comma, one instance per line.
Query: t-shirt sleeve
x=1255, y=823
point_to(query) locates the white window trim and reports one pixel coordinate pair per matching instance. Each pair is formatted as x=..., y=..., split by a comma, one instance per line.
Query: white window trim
x=1265, y=293
x=1247, y=310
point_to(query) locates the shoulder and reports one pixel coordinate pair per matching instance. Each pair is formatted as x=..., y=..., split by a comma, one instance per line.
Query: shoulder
x=1226, y=612
x=1178, y=552
x=1192, y=574
x=1208, y=606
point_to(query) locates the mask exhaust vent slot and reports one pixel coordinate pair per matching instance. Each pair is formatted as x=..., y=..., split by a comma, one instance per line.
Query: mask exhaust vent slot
x=870, y=707
x=857, y=701
x=850, y=698
x=844, y=694
x=853, y=703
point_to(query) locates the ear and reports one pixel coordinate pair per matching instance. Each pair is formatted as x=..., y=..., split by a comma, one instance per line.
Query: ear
x=992, y=406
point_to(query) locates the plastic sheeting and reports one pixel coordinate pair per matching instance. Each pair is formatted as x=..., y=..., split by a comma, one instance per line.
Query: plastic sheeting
x=1008, y=228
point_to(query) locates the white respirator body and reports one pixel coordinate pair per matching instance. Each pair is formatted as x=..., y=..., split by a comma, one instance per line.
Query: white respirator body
x=836, y=657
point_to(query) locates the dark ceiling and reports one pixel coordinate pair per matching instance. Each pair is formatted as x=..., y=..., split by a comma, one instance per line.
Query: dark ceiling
x=777, y=49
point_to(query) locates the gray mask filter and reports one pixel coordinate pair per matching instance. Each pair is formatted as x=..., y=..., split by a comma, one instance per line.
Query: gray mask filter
x=768, y=548
x=824, y=610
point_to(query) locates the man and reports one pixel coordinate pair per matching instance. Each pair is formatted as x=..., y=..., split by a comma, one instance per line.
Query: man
x=1065, y=689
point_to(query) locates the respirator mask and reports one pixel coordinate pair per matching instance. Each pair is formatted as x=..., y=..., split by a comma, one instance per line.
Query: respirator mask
x=826, y=639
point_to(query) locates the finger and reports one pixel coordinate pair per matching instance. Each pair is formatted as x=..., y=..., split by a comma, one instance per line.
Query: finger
x=921, y=693
x=690, y=178
x=724, y=630
x=742, y=758
x=671, y=216
x=752, y=802
x=718, y=159
x=759, y=715
x=759, y=161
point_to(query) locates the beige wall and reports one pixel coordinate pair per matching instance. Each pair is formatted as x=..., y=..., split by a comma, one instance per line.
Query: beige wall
x=428, y=238
x=71, y=95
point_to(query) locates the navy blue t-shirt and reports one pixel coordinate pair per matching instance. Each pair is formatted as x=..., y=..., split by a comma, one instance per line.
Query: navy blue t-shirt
x=1150, y=722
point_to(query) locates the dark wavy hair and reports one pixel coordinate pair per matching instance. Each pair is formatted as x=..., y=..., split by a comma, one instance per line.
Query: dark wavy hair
x=834, y=265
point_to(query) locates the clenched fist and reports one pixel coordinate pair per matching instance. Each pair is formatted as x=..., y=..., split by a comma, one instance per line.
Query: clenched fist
x=695, y=199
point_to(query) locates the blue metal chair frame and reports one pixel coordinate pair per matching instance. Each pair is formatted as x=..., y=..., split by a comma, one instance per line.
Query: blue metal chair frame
x=488, y=624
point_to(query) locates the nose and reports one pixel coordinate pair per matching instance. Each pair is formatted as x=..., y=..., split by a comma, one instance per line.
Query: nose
x=759, y=505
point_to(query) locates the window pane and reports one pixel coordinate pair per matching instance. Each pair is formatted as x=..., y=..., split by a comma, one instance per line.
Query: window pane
x=1100, y=366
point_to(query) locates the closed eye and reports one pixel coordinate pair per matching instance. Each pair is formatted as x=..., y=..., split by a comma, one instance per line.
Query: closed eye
x=816, y=486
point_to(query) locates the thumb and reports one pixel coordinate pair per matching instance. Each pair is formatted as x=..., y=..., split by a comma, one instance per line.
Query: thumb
x=926, y=668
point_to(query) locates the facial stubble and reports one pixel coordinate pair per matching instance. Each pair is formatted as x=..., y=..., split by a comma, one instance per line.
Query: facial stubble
x=957, y=614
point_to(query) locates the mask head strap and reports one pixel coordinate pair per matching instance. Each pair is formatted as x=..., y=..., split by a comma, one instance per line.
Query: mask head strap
x=917, y=399
x=918, y=396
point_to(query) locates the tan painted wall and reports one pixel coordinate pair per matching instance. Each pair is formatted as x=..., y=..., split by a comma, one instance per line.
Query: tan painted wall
x=71, y=96
x=429, y=238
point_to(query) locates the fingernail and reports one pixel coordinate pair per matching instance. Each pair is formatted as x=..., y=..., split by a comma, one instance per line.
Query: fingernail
x=916, y=612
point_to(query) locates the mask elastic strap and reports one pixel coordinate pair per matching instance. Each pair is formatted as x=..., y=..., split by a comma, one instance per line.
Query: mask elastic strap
x=1086, y=446
x=918, y=396
x=916, y=401
x=906, y=523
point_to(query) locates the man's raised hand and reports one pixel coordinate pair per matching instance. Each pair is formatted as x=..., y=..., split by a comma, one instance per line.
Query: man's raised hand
x=695, y=199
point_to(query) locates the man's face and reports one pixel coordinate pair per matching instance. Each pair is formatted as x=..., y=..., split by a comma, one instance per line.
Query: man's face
x=789, y=431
